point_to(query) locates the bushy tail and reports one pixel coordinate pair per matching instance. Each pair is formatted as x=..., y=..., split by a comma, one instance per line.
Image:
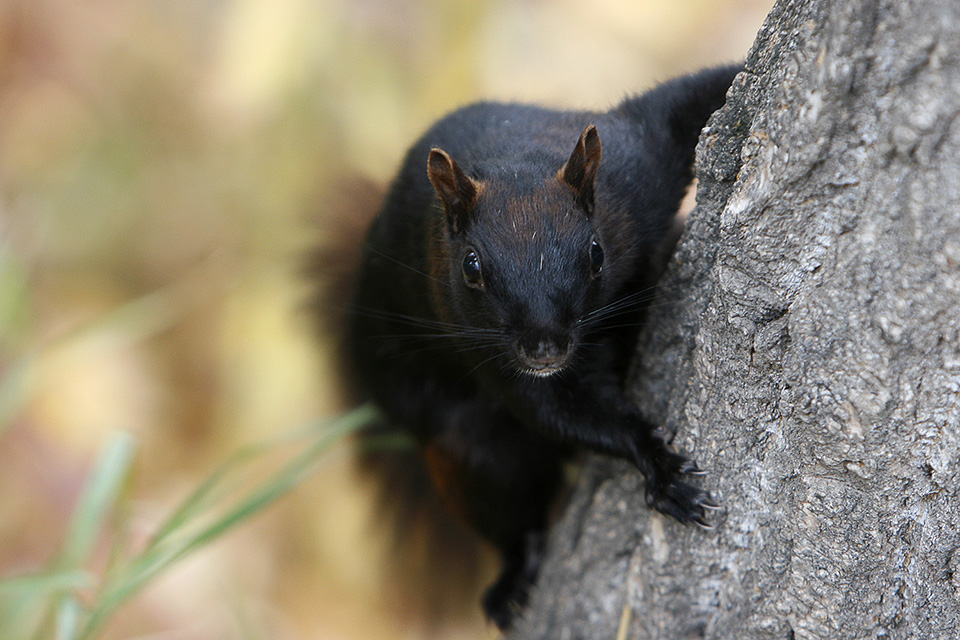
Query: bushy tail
x=433, y=561
x=438, y=561
x=332, y=266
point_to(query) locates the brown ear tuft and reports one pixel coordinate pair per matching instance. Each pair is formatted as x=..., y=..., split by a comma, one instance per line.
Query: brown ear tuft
x=457, y=191
x=580, y=171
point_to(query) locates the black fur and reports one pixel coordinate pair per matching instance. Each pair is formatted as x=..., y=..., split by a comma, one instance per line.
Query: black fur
x=499, y=292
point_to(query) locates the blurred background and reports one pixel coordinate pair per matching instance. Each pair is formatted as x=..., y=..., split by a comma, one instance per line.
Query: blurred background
x=164, y=168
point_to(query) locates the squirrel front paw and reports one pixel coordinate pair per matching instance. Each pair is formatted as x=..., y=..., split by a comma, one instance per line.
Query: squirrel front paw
x=668, y=494
x=681, y=501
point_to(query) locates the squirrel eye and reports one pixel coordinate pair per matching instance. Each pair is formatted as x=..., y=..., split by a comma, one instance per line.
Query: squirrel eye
x=471, y=269
x=596, y=256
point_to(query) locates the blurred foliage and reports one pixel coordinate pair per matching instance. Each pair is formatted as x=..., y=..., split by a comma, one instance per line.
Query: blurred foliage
x=33, y=605
x=163, y=168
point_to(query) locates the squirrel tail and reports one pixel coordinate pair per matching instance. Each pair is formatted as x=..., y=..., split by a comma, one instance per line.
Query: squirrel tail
x=440, y=563
x=331, y=267
x=423, y=541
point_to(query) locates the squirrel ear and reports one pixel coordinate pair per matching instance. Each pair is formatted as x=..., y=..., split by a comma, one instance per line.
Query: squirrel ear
x=581, y=169
x=457, y=191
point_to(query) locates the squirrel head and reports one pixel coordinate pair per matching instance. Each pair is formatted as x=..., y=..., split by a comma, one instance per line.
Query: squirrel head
x=520, y=261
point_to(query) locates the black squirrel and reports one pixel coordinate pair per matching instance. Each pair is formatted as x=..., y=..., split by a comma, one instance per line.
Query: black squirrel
x=499, y=291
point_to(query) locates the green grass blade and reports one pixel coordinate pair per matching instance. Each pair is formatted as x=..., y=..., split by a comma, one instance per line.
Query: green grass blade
x=206, y=494
x=68, y=618
x=32, y=598
x=23, y=599
x=98, y=498
x=164, y=554
x=199, y=500
x=46, y=583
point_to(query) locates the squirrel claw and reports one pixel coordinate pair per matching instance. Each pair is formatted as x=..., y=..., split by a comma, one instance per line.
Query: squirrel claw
x=690, y=468
x=710, y=505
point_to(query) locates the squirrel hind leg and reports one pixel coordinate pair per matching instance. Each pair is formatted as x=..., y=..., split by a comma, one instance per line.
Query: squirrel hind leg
x=502, y=479
x=506, y=598
x=526, y=489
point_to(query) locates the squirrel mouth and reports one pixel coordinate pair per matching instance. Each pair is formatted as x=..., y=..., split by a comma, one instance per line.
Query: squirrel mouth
x=546, y=360
x=543, y=372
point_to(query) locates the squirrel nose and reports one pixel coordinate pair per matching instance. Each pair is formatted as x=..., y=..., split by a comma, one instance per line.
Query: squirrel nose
x=544, y=356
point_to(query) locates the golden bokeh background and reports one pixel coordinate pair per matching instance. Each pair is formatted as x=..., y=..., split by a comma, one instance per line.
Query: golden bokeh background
x=164, y=167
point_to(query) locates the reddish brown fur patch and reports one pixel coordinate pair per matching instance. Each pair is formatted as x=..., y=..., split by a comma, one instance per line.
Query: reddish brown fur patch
x=445, y=472
x=524, y=220
x=580, y=171
x=457, y=190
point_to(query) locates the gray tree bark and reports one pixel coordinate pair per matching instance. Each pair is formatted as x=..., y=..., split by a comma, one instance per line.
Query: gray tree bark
x=811, y=359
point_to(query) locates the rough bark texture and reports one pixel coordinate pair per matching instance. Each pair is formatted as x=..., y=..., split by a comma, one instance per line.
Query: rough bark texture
x=810, y=361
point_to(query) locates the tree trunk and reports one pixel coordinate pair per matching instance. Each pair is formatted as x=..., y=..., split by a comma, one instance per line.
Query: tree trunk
x=809, y=359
